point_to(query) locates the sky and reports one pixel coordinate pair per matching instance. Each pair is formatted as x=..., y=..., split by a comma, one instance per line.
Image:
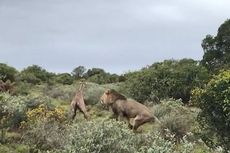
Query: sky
x=116, y=35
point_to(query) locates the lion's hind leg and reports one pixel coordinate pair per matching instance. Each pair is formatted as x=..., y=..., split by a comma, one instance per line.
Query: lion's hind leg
x=130, y=123
x=140, y=120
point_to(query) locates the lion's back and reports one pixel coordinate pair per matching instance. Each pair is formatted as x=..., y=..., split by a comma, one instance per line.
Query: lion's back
x=136, y=108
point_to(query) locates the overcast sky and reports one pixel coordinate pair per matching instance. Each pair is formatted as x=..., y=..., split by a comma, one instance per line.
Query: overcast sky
x=116, y=35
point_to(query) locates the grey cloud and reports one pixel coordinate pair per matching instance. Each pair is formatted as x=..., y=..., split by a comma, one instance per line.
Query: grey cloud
x=117, y=35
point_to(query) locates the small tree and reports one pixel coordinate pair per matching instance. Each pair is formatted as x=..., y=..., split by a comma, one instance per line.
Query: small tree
x=78, y=72
x=94, y=71
x=217, y=49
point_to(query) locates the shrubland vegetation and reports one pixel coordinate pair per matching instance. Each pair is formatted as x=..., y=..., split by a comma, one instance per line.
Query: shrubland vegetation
x=190, y=98
x=168, y=79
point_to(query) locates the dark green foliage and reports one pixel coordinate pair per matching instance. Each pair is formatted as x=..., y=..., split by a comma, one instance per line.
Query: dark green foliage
x=94, y=71
x=99, y=76
x=214, y=101
x=29, y=78
x=79, y=72
x=170, y=78
x=35, y=75
x=13, y=108
x=64, y=78
x=7, y=73
x=217, y=49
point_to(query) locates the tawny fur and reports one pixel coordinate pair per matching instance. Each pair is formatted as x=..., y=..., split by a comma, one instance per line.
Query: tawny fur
x=136, y=113
x=79, y=103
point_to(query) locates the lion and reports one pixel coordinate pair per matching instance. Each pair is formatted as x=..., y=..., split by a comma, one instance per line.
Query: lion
x=136, y=113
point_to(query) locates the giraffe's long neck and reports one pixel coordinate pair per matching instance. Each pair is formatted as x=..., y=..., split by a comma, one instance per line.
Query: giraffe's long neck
x=81, y=88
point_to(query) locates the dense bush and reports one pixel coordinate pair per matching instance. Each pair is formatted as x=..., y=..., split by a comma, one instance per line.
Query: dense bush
x=175, y=119
x=110, y=136
x=35, y=75
x=104, y=78
x=93, y=93
x=60, y=92
x=214, y=101
x=13, y=108
x=22, y=88
x=7, y=73
x=14, y=148
x=169, y=79
x=99, y=76
x=29, y=78
x=44, y=128
x=12, y=112
x=64, y=78
x=113, y=137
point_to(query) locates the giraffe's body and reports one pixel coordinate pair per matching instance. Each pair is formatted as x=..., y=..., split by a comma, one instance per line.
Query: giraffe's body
x=79, y=103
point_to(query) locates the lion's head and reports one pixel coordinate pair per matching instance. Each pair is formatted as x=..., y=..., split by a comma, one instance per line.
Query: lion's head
x=110, y=96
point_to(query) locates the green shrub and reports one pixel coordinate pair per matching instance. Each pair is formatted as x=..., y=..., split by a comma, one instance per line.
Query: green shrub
x=13, y=108
x=93, y=94
x=7, y=73
x=22, y=88
x=14, y=148
x=35, y=75
x=101, y=136
x=29, y=78
x=5, y=149
x=22, y=149
x=168, y=79
x=46, y=135
x=64, y=78
x=214, y=118
x=99, y=76
x=61, y=92
x=45, y=128
x=176, y=119
x=111, y=136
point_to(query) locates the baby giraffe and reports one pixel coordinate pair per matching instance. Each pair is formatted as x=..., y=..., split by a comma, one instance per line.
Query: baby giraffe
x=78, y=102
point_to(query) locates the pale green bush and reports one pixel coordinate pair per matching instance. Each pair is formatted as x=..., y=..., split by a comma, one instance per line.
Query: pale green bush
x=175, y=118
x=46, y=135
x=13, y=108
x=104, y=136
x=110, y=136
